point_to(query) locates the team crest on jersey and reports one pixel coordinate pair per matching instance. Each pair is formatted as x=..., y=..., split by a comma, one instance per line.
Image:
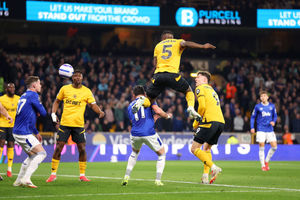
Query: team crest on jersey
x=74, y=96
x=197, y=91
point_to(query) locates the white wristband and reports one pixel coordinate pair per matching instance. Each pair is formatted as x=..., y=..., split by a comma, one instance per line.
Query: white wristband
x=54, y=117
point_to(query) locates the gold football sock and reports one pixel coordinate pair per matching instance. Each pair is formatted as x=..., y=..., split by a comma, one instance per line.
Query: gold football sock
x=190, y=98
x=207, y=168
x=147, y=103
x=204, y=157
x=10, y=157
x=54, y=165
x=82, y=167
x=1, y=150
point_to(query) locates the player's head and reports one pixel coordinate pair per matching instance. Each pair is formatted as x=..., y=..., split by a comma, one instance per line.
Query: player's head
x=10, y=89
x=203, y=77
x=138, y=90
x=33, y=83
x=263, y=95
x=77, y=77
x=167, y=35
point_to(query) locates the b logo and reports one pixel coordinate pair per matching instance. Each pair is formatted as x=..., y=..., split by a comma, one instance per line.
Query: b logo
x=186, y=17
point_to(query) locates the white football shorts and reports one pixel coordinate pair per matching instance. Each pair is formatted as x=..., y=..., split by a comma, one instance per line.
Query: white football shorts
x=265, y=137
x=153, y=141
x=27, y=142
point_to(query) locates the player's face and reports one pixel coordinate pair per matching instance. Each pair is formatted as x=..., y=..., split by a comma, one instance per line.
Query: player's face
x=264, y=98
x=37, y=86
x=10, y=90
x=200, y=79
x=167, y=36
x=77, y=78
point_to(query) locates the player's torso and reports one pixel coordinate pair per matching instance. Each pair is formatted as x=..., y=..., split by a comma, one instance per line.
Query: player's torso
x=75, y=100
x=142, y=122
x=168, y=53
x=212, y=110
x=10, y=104
x=265, y=114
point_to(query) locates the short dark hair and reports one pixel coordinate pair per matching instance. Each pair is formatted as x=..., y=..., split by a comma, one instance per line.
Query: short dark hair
x=167, y=32
x=77, y=71
x=206, y=74
x=30, y=80
x=263, y=92
x=138, y=90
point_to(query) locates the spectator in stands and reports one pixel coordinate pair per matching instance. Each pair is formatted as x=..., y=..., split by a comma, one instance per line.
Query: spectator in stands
x=287, y=136
x=230, y=90
x=238, y=121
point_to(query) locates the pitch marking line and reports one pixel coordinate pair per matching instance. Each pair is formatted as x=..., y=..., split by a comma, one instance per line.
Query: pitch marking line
x=134, y=193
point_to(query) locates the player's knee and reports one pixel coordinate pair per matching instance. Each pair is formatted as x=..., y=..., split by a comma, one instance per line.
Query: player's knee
x=274, y=148
x=43, y=154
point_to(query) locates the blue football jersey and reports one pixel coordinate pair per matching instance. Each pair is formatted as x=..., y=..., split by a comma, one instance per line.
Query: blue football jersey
x=28, y=106
x=264, y=114
x=142, y=121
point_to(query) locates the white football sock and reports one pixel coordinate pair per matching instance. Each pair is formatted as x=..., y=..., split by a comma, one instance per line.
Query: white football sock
x=23, y=168
x=270, y=153
x=33, y=165
x=131, y=163
x=261, y=155
x=160, y=165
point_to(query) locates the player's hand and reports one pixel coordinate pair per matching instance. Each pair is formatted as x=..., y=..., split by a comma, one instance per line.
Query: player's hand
x=170, y=116
x=252, y=130
x=272, y=123
x=39, y=137
x=54, y=118
x=208, y=46
x=102, y=114
x=10, y=119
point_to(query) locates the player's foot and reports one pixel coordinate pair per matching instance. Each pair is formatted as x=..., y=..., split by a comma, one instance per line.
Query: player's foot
x=204, y=179
x=193, y=114
x=267, y=166
x=214, y=174
x=125, y=181
x=138, y=104
x=84, y=179
x=17, y=183
x=158, y=183
x=264, y=168
x=51, y=178
x=8, y=173
x=29, y=185
x=1, y=178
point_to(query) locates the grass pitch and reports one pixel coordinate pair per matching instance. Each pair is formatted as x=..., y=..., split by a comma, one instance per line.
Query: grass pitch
x=239, y=180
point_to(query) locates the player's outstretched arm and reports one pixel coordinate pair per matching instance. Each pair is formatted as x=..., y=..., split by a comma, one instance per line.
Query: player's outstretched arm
x=97, y=110
x=196, y=45
x=161, y=113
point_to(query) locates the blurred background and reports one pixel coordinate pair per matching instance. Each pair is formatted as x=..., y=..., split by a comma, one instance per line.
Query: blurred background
x=113, y=41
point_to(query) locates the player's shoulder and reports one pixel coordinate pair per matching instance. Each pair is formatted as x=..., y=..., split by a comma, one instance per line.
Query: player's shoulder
x=68, y=86
x=3, y=97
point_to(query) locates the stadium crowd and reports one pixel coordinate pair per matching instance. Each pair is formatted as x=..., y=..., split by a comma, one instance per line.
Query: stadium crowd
x=111, y=80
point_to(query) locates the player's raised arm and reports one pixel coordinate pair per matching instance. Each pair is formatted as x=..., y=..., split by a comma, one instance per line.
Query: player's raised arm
x=196, y=45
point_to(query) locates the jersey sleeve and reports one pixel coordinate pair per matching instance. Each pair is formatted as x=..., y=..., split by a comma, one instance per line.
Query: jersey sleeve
x=155, y=51
x=253, y=116
x=38, y=105
x=201, y=100
x=90, y=97
x=60, y=95
x=274, y=118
